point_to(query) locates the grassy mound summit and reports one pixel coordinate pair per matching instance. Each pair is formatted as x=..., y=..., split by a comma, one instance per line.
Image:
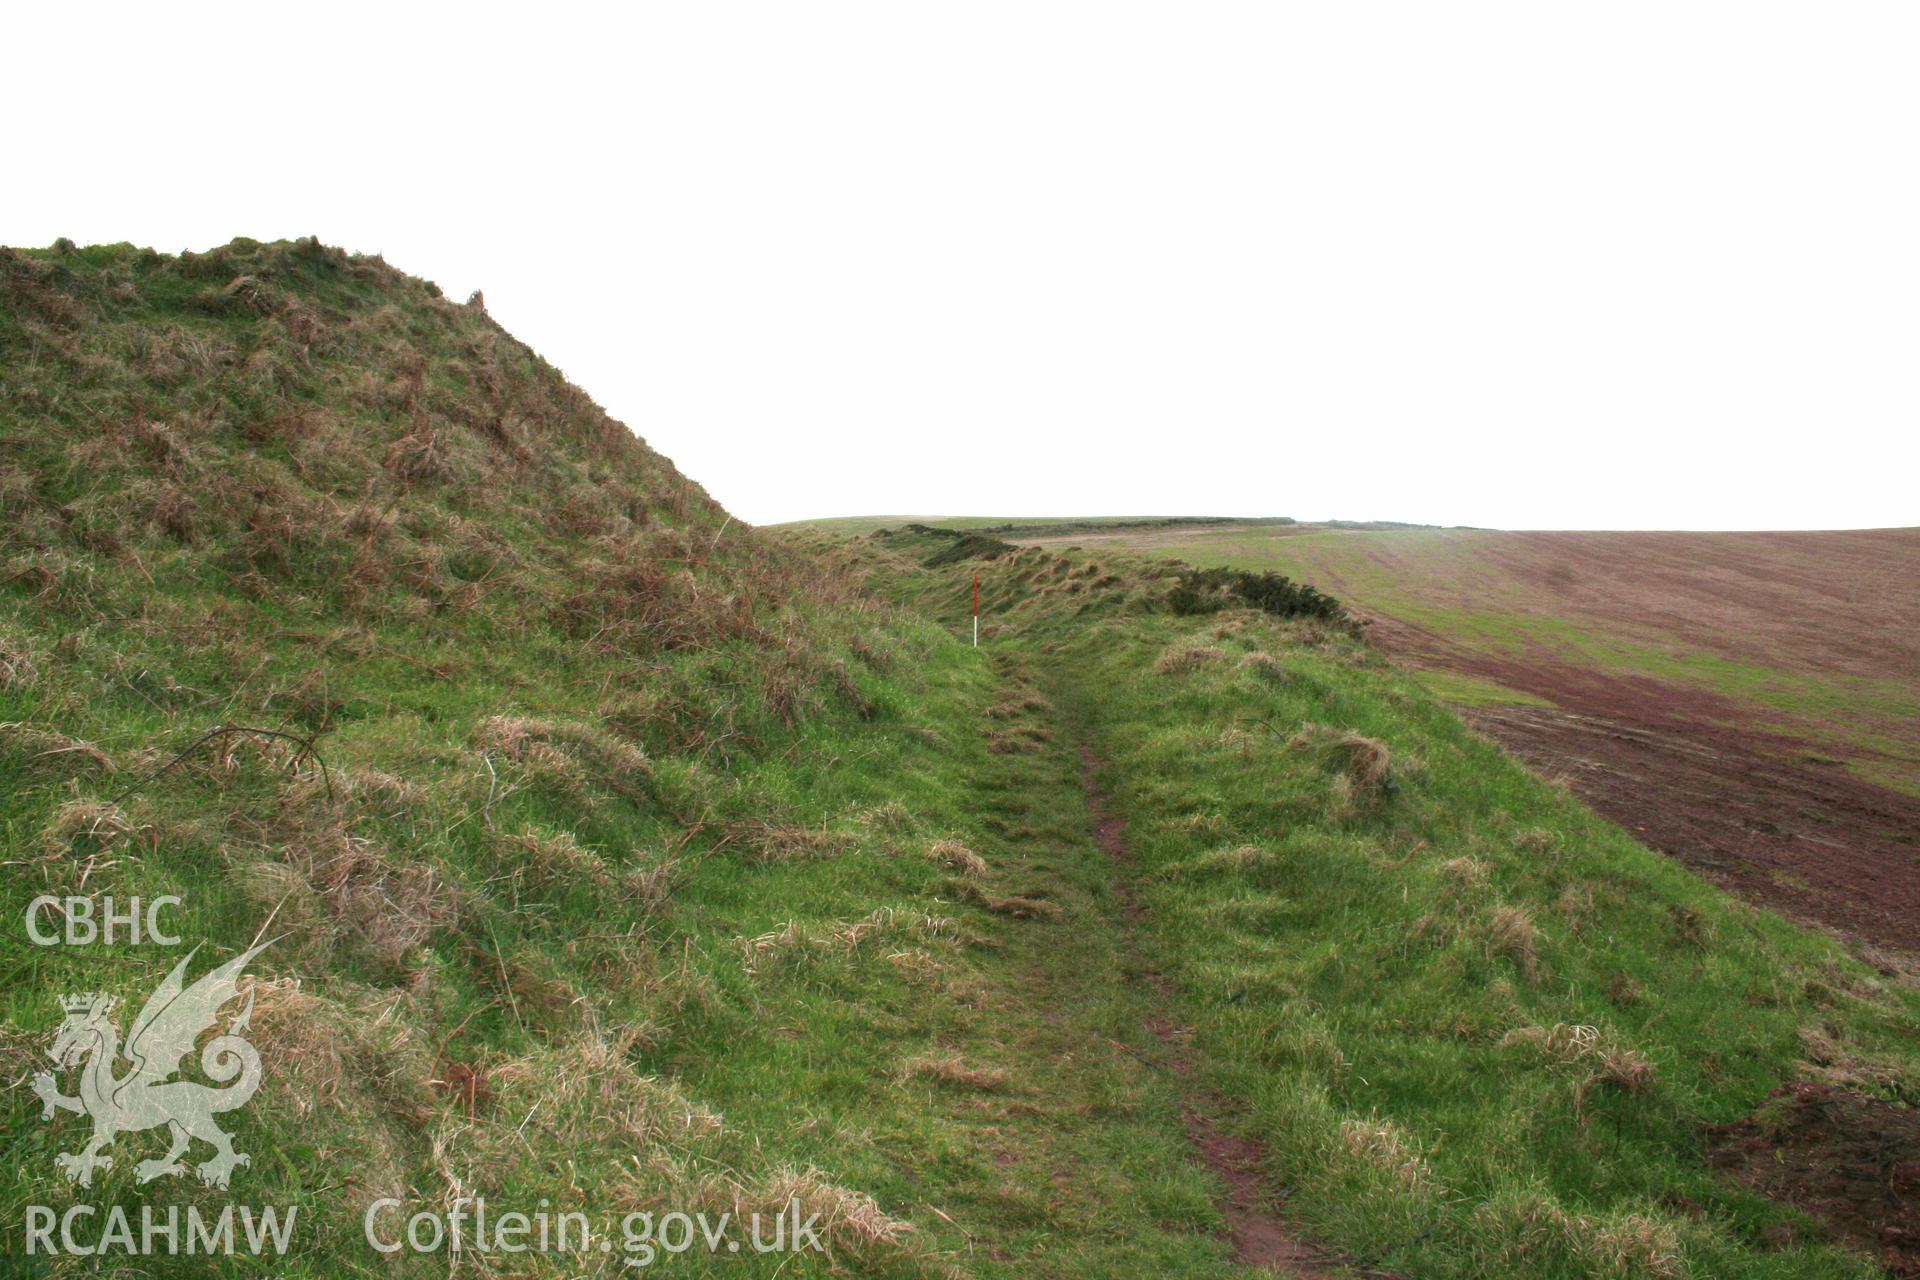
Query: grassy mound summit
x=616, y=859
x=302, y=421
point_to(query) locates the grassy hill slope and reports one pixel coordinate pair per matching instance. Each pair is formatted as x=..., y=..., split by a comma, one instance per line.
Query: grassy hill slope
x=618, y=857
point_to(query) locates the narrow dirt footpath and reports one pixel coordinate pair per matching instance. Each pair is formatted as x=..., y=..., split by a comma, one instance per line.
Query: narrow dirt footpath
x=1261, y=1236
x=1071, y=1086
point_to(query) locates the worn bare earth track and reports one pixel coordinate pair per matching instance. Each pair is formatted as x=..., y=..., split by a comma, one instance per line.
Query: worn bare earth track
x=1261, y=1235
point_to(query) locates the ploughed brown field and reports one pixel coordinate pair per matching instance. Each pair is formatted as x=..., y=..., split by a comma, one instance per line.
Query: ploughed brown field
x=1747, y=702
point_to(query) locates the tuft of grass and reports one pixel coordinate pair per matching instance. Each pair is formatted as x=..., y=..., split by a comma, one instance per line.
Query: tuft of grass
x=958, y=858
x=1511, y=933
x=951, y=1070
x=1186, y=656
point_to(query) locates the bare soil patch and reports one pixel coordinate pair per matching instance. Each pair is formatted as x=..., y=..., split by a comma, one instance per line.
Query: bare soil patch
x=1849, y=1160
x=1771, y=818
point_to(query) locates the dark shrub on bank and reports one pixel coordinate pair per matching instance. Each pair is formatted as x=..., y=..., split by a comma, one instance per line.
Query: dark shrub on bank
x=1210, y=590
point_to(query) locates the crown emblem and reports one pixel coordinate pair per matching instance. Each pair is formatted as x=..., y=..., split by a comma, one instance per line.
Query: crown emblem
x=80, y=1003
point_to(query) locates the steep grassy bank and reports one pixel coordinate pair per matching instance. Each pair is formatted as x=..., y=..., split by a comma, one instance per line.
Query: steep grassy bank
x=1480, y=1029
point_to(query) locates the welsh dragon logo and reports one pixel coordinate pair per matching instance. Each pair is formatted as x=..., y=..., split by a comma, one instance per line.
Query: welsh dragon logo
x=145, y=1098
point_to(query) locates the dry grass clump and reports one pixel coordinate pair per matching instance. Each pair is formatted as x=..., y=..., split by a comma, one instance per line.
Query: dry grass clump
x=951, y=1069
x=1367, y=762
x=1381, y=1144
x=1432, y=930
x=874, y=657
x=1536, y=840
x=1622, y=990
x=384, y=910
x=385, y=794
x=891, y=817
x=1201, y=822
x=1530, y=1231
x=568, y=754
x=1633, y=1244
x=303, y=919
x=1022, y=907
x=1561, y=1043
x=583, y=1095
x=1263, y=665
x=1621, y=1070
x=1465, y=871
x=768, y=843
x=17, y=666
x=1900, y=969
x=922, y=968
x=957, y=857
x=360, y=1058
x=1585, y=1048
x=223, y=758
x=1017, y=740
x=85, y=828
x=1364, y=769
x=555, y=859
x=51, y=753
x=850, y=1223
x=1234, y=738
x=1512, y=933
x=1869, y=989
x=304, y=1036
x=651, y=886
x=514, y=736
x=794, y=942
x=1829, y=1060
x=1184, y=656
x=848, y=1219
x=1226, y=860
x=1575, y=905
x=537, y=992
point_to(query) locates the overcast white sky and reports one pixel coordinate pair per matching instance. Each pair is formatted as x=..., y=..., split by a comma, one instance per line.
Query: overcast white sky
x=1532, y=264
